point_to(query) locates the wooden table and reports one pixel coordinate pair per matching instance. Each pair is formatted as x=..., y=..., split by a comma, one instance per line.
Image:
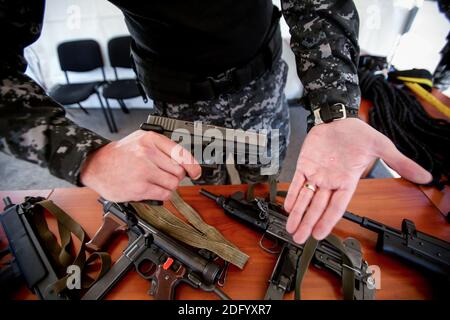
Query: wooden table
x=386, y=200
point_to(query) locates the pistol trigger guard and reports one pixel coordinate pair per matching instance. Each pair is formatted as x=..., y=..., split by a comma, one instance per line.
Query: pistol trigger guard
x=268, y=250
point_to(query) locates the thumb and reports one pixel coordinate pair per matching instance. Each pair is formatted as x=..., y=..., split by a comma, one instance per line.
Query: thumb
x=403, y=165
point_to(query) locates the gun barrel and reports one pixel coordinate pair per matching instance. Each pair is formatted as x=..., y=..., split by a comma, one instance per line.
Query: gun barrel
x=353, y=217
x=8, y=203
x=208, y=194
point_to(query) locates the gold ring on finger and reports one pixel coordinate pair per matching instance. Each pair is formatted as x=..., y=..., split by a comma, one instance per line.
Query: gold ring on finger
x=310, y=187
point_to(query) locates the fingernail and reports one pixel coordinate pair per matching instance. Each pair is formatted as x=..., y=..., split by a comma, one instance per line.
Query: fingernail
x=427, y=177
x=198, y=177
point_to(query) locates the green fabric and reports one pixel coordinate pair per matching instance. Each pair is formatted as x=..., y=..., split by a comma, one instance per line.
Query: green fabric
x=303, y=263
x=61, y=254
x=348, y=275
x=199, y=234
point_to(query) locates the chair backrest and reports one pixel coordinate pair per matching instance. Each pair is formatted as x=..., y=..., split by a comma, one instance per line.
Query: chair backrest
x=119, y=52
x=80, y=55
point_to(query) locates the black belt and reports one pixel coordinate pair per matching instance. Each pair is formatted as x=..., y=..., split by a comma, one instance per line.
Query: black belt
x=167, y=85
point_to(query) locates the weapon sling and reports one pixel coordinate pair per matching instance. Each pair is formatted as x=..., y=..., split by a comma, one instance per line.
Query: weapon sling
x=60, y=254
x=197, y=234
x=348, y=273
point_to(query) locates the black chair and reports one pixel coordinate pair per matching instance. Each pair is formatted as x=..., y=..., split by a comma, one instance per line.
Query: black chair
x=81, y=56
x=119, y=57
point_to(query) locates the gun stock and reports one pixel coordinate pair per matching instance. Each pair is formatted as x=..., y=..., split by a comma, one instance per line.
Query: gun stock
x=408, y=244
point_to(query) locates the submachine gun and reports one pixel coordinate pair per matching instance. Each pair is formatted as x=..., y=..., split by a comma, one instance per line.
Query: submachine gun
x=270, y=219
x=424, y=251
x=157, y=257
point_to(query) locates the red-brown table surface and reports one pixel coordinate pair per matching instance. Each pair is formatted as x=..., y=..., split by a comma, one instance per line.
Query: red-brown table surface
x=385, y=200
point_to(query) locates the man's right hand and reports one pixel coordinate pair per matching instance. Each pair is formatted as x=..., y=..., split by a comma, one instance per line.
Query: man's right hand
x=141, y=166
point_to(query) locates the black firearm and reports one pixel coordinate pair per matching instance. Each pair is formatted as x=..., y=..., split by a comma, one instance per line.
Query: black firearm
x=156, y=257
x=420, y=249
x=270, y=219
x=29, y=255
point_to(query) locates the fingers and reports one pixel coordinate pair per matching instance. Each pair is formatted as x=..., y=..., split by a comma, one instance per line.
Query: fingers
x=318, y=205
x=163, y=179
x=155, y=192
x=404, y=166
x=336, y=208
x=169, y=165
x=295, y=217
x=176, y=152
x=294, y=189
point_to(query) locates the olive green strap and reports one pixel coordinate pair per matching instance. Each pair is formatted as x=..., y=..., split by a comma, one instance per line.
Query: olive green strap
x=61, y=254
x=348, y=274
x=164, y=220
x=272, y=181
x=282, y=193
x=196, y=220
x=303, y=263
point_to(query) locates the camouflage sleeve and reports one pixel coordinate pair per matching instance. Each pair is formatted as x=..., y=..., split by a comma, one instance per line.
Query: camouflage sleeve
x=324, y=39
x=33, y=127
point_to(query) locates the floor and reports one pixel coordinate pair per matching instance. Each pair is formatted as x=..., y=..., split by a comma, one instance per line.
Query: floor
x=20, y=175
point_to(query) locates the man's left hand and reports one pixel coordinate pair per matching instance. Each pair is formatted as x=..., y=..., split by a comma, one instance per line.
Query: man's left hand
x=332, y=159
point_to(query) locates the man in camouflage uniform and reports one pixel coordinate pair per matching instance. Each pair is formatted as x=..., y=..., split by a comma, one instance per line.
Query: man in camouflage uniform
x=208, y=39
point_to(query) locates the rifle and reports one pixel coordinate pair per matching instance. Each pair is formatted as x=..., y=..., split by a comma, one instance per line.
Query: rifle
x=28, y=251
x=410, y=245
x=156, y=256
x=270, y=218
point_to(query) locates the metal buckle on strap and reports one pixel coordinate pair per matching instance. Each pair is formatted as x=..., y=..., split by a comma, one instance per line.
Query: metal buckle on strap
x=318, y=118
x=224, y=81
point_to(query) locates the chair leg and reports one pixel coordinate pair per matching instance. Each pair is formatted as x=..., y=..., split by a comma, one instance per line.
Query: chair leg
x=111, y=116
x=111, y=128
x=82, y=108
x=123, y=106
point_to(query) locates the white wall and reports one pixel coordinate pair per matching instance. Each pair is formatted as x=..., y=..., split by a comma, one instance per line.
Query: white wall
x=380, y=22
x=79, y=19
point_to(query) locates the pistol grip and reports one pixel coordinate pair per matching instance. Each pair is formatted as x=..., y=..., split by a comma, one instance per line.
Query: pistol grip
x=111, y=225
x=165, y=281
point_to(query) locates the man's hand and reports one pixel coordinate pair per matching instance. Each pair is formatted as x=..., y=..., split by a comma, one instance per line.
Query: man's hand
x=332, y=159
x=142, y=166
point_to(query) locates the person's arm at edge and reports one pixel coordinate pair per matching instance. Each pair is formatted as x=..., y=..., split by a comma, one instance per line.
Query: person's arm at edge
x=33, y=127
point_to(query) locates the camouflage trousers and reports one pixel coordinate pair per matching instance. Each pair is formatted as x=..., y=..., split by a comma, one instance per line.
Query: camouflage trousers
x=260, y=105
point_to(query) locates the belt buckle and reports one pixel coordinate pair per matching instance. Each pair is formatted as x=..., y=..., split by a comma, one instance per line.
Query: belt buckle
x=318, y=119
x=223, y=79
